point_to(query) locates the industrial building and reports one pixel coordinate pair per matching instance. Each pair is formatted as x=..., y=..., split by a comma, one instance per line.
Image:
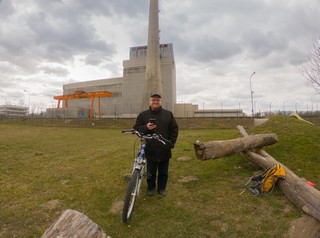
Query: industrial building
x=13, y=111
x=150, y=69
x=127, y=91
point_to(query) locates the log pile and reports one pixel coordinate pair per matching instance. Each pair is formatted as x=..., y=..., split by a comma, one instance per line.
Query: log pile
x=304, y=196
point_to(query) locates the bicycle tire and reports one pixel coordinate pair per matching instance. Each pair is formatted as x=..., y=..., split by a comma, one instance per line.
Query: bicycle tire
x=130, y=196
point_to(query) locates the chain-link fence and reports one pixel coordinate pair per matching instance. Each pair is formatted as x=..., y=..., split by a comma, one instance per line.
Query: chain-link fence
x=127, y=123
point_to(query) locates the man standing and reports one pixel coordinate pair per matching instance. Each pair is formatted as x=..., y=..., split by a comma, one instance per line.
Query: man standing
x=160, y=121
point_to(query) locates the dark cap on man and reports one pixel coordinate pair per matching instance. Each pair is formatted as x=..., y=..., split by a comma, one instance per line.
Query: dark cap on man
x=155, y=95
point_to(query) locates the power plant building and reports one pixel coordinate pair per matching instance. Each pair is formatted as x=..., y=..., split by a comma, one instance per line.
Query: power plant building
x=127, y=91
x=150, y=69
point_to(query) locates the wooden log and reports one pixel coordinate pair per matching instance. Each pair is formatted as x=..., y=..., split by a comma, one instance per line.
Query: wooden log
x=74, y=224
x=217, y=149
x=304, y=196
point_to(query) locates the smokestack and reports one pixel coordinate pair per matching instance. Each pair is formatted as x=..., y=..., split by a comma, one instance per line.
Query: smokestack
x=153, y=80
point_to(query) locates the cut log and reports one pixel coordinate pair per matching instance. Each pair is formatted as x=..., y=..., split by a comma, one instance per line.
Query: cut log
x=304, y=196
x=217, y=149
x=74, y=224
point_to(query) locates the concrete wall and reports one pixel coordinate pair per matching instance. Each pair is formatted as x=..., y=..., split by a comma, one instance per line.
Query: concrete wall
x=219, y=113
x=185, y=110
x=190, y=110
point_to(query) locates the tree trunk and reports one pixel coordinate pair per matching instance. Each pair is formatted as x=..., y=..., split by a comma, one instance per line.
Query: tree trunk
x=74, y=224
x=217, y=149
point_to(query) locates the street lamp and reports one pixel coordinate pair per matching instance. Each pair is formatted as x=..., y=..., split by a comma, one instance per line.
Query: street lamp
x=251, y=94
x=270, y=107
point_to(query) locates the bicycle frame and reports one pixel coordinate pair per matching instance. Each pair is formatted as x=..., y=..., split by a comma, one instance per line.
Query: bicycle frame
x=137, y=172
x=140, y=160
x=139, y=163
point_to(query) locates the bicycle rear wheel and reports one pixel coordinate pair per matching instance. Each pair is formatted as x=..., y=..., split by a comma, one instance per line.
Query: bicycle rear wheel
x=132, y=192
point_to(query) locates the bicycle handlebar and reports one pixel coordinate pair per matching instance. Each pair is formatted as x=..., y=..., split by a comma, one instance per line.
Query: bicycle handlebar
x=155, y=136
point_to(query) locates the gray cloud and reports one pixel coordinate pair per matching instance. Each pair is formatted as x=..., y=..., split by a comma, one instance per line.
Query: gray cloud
x=54, y=71
x=6, y=9
x=213, y=49
x=51, y=33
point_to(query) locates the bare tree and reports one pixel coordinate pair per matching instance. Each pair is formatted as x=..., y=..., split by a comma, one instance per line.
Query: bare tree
x=311, y=69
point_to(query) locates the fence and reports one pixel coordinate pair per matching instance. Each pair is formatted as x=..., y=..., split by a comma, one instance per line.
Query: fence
x=127, y=123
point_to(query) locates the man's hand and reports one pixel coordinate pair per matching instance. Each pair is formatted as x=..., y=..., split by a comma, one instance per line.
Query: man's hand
x=151, y=126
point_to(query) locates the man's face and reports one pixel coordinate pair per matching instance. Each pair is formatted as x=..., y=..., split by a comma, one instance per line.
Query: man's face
x=155, y=103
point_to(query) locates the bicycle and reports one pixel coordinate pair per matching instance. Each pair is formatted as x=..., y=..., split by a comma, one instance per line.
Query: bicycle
x=138, y=172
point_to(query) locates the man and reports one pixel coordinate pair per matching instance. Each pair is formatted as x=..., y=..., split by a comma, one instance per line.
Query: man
x=162, y=122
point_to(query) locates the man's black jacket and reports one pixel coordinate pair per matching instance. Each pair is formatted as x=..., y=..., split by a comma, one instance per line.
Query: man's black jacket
x=166, y=126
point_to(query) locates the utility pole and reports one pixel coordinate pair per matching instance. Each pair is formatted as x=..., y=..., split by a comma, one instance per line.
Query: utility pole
x=251, y=94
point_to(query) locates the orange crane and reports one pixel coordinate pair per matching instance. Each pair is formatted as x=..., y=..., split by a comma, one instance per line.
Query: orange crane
x=82, y=94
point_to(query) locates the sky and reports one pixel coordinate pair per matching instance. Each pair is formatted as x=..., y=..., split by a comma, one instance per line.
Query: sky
x=218, y=44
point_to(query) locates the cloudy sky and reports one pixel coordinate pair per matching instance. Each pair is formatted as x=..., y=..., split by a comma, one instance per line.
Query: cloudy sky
x=218, y=44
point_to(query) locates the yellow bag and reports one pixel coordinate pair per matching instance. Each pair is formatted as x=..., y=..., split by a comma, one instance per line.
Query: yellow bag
x=266, y=181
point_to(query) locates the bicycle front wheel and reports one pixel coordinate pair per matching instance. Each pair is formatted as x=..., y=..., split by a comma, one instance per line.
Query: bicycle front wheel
x=132, y=192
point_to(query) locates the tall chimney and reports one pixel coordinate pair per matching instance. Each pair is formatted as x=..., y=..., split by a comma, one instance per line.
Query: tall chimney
x=153, y=80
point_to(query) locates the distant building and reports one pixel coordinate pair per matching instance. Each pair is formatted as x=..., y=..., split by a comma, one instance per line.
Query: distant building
x=191, y=110
x=13, y=111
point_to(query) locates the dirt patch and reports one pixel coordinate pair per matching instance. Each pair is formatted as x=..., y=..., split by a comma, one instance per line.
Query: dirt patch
x=117, y=207
x=64, y=182
x=188, y=179
x=304, y=227
x=52, y=204
x=184, y=158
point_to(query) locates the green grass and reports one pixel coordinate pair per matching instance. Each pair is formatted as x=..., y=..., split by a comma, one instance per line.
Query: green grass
x=84, y=169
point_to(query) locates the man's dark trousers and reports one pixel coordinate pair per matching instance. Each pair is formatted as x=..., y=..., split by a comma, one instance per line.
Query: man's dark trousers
x=162, y=167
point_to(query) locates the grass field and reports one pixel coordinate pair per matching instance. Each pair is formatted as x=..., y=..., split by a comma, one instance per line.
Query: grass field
x=45, y=170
